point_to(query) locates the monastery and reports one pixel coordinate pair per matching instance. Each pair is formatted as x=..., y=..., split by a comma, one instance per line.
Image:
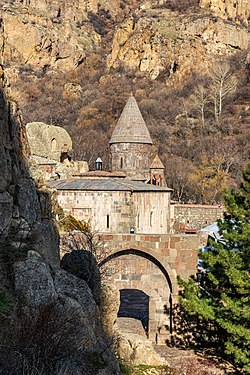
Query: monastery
x=133, y=197
x=130, y=207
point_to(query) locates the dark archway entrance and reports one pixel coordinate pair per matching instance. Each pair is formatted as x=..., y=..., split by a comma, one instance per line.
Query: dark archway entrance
x=134, y=303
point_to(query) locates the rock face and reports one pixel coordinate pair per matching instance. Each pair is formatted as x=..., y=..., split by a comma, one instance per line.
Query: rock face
x=236, y=10
x=82, y=263
x=69, y=296
x=54, y=34
x=26, y=216
x=48, y=40
x=48, y=141
x=61, y=302
x=50, y=153
x=174, y=45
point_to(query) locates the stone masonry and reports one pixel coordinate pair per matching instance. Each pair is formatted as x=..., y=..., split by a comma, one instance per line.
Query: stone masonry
x=195, y=217
x=151, y=263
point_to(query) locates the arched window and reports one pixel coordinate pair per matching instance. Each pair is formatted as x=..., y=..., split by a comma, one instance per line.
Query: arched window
x=151, y=218
x=53, y=144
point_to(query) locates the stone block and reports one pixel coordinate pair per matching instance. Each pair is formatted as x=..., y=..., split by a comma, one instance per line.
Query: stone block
x=108, y=237
x=173, y=253
x=155, y=238
x=174, y=241
x=165, y=252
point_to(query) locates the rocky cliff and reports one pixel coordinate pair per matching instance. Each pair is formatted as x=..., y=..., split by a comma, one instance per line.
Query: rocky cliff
x=26, y=215
x=160, y=41
x=229, y=9
x=50, y=322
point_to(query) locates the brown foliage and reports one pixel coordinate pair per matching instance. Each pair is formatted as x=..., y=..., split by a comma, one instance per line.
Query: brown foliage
x=182, y=120
x=35, y=339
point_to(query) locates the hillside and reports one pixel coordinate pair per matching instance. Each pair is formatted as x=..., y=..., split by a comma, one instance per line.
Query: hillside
x=187, y=63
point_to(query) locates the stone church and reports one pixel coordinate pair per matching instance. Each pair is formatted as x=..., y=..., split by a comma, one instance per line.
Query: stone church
x=133, y=197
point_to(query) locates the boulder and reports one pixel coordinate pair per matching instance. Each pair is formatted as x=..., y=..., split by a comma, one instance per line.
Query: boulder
x=34, y=281
x=82, y=264
x=68, y=304
x=136, y=350
x=132, y=344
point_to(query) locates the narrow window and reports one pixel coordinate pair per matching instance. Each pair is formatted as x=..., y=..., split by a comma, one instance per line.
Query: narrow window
x=53, y=144
x=121, y=163
x=108, y=221
x=138, y=221
x=151, y=219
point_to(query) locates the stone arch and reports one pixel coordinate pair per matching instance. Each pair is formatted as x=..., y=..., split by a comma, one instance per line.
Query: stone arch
x=147, y=254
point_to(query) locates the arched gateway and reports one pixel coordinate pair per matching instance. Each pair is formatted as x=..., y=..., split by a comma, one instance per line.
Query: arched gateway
x=146, y=283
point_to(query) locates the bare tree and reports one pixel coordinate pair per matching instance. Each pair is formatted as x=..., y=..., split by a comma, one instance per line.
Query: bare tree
x=200, y=99
x=223, y=85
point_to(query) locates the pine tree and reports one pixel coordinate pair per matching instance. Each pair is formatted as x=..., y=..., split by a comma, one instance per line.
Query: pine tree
x=222, y=295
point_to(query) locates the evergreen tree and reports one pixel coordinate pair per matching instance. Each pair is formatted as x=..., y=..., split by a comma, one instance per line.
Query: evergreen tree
x=222, y=295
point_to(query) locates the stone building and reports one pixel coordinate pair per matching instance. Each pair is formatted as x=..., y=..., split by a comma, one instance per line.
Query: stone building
x=113, y=205
x=150, y=239
x=134, y=196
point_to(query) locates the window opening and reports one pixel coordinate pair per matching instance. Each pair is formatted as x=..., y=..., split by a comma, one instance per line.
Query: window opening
x=151, y=219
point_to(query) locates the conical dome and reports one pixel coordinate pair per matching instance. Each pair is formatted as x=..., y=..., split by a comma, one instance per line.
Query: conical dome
x=131, y=127
x=157, y=163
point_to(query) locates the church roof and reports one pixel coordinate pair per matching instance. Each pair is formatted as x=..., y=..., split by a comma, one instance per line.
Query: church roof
x=157, y=163
x=131, y=127
x=110, y=184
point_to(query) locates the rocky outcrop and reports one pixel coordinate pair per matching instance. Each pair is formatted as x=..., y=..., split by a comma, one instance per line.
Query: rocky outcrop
x=82, y=264
x=51, y=34
x=174, y=45
x=48, y=141
x=26, y=215
x=236, y=10
x=130, y=340
x=71, y=297
x=51, y=153
x=56, y=35
x=135, y=348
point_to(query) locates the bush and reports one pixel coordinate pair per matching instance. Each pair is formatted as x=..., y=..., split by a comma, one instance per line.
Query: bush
x=35, y=339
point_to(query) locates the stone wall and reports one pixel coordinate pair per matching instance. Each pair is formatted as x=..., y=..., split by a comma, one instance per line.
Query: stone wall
x=118, y=211
x=189, y=217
